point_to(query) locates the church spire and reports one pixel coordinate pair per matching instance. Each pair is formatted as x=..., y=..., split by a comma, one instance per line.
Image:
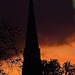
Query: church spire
x=32, y=61
x=31, y=37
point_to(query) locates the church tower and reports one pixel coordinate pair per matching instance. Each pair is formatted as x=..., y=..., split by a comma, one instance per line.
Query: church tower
x=32, y=61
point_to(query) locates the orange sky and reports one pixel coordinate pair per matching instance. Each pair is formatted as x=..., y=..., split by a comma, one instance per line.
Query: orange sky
x=62, y=53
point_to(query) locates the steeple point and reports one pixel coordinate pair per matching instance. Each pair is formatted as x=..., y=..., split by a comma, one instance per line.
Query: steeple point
x=31, y=37
x=32, y=61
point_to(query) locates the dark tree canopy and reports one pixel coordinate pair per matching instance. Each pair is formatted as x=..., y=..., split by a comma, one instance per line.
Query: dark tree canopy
x=51, y=67
x=69, y=68
x=8, y=35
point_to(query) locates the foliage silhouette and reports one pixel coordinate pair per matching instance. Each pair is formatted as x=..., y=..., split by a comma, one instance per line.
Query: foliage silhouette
x=7, y=39
x=69, y=68
x=51, y=67
x=8, y=48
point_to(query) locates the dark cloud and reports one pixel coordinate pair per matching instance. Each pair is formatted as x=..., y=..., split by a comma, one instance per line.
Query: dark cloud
x=57, y=34
x=56, y=22
x=54, y=19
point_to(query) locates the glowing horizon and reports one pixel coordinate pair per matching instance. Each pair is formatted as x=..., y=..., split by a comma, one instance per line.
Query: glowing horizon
x=62, y=53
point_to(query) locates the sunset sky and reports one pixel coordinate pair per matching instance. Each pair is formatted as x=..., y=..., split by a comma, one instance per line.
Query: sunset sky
x=55, y=26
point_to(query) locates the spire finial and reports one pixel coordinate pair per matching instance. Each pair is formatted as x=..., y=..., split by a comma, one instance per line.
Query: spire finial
x=31, y=37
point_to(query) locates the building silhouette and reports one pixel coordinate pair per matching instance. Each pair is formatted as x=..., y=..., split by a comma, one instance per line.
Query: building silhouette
x=32, y=61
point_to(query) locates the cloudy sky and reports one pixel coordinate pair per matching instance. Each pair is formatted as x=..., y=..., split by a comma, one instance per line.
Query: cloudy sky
x=54, y=21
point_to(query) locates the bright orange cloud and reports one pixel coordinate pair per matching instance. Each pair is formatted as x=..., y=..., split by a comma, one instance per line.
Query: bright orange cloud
x=62, y=53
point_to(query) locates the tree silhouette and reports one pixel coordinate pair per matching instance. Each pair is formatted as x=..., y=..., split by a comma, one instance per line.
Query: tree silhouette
x=69, y=68
x=8, y=48
x=7, y=39
x=51, y=67
x=45, y=71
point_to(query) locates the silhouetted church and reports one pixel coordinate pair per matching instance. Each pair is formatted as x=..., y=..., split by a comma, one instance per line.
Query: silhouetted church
x=32, y=61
